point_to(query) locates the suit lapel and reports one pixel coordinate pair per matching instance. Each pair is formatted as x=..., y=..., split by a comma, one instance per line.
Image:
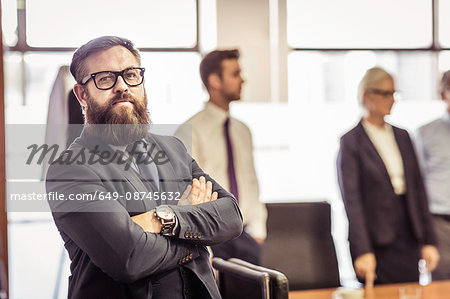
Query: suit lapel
x=370, y=148
x=121, y=170
x=404, y=152
x=167, y=176
x=143, y=190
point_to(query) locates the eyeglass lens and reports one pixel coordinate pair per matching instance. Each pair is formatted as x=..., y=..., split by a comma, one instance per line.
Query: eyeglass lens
x=383, y=93
x=106, y=80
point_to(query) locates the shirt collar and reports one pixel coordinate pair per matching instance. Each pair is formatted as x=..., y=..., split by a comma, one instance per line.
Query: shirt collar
x=123, y=148
x=368, y=126
x=217, y=112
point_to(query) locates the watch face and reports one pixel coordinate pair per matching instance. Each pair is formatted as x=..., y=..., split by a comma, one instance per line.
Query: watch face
x=165, y=213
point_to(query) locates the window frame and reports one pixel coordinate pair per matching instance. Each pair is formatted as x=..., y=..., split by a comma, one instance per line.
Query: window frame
x=435, y=45
x=22, y=46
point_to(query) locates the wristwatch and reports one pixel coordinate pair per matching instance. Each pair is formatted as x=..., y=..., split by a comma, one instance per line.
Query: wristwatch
x=167, y=218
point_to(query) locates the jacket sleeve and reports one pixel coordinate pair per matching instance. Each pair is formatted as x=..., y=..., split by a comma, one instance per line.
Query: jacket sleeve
x=349, y=183
x=104, y=230
x=209, y=223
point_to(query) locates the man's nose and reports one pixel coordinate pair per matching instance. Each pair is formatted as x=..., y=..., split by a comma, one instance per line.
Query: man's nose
x=120, y=85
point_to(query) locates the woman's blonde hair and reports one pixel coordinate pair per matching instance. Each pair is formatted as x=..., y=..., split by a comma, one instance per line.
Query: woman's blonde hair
x=370, y=79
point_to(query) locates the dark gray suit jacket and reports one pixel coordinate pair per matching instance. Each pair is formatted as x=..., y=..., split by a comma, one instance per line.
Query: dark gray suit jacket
x=112, y=257
x=369, y=196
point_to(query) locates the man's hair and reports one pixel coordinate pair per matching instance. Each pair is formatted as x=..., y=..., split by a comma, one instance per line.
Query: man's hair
x=445, y=82
x=77, y=67
x=371, y=78
x=212, y=63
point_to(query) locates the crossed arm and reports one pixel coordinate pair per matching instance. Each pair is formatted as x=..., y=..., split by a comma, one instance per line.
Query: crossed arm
x=117, y=244
x=199, y=192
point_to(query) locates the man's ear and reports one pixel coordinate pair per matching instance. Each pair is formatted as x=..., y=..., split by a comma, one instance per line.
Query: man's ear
x=214, y=81
x=81, y=94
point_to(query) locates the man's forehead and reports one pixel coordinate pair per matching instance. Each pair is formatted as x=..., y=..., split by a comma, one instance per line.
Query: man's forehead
x=115, y=58
x=231, y=64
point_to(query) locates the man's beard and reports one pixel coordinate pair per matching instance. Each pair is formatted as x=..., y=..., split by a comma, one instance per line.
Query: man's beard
x=118, y=125
x=232, y=96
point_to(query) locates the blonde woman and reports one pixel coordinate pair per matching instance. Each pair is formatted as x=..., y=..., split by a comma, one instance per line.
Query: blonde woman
x=389, y=223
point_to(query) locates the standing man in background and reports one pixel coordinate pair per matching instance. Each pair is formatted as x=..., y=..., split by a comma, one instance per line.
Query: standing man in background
x=433, y=152
x=222, y=145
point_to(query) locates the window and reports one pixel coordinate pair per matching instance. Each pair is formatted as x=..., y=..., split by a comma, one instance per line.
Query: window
x=39, y=39
x=444, y=23
x=9, y=22
x=333, y=77
x=332, y=44
x=148, y=23
x=444, y=61
x=359, y=24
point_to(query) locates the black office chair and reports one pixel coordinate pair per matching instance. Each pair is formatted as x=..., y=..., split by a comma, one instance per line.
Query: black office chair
x=299, y=244
x=236, y=281
x=279, y=286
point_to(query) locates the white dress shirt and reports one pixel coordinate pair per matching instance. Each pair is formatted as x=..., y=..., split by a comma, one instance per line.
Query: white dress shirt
x=384, y=141
x=209, y=149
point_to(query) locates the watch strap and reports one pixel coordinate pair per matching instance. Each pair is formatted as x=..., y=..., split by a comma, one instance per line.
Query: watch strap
x=168, y=226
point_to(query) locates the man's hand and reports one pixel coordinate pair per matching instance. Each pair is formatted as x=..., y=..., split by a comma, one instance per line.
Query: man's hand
x=148, y=222
x=199, y=192
x=431, y=256
x=365, y=268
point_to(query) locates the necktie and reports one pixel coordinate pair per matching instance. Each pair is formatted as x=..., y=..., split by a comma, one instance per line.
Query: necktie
x=231, y=171
x=144, y=162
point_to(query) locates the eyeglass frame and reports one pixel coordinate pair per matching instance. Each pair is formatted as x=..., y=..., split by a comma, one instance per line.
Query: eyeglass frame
x=117, y=74
x=384, y=93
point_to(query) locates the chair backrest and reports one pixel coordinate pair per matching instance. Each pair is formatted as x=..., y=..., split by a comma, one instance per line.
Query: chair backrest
x=76, y=118
x=299, y=244
x=279, y=286
x=236, y=281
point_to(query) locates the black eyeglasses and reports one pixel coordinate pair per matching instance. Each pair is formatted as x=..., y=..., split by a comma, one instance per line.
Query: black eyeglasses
x=132, y=76
x=384, y=93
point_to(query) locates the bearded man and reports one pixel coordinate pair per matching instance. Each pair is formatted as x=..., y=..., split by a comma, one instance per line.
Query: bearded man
x=137, y=218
